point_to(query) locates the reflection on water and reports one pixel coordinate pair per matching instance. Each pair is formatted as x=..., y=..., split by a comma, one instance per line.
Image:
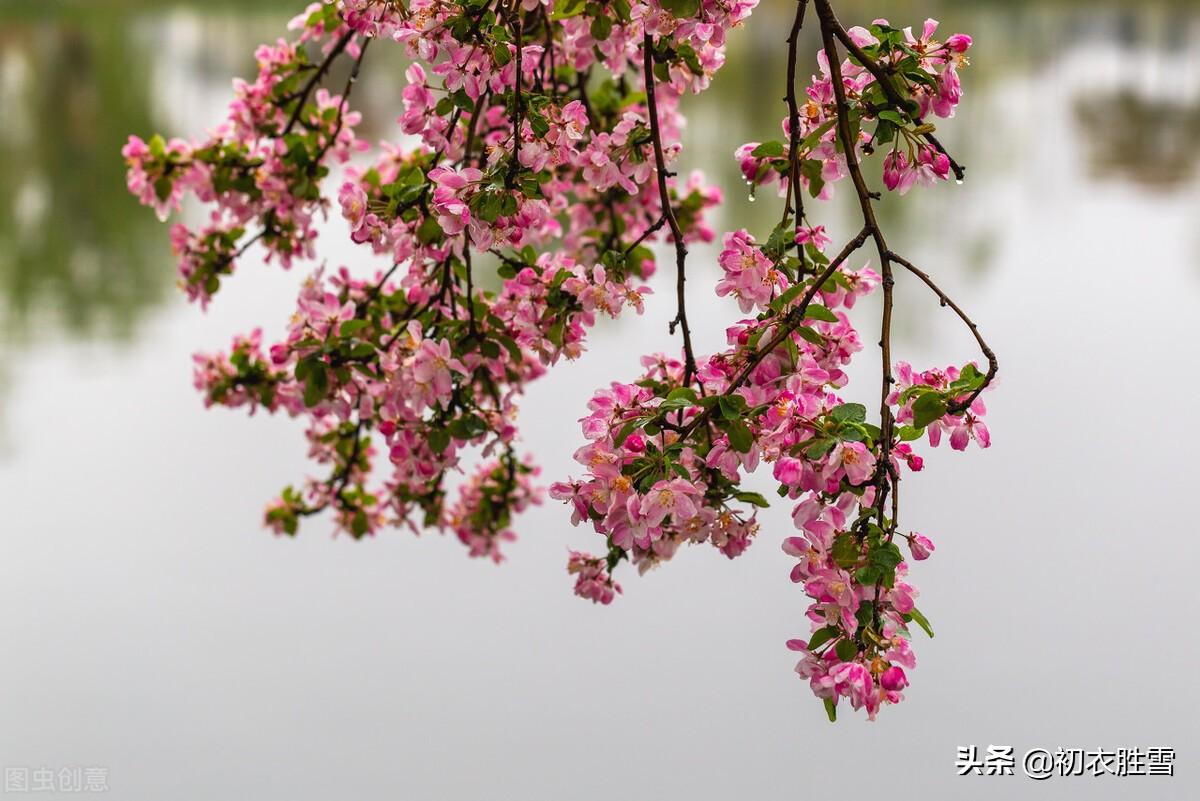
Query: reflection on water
x=76, y=249
x=71, y=242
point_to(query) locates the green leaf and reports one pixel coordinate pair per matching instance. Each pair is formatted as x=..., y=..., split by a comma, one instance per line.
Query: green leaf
x=818, y=312
x=893, y=117
x=740, y=438
x=568, y=8
x=910, y=433
x=315, y=385
x=867, y=575
x=752, y=498
x=601, y=27
x=846, y=650
x=822, y=636
x=439, y=440
x=683, y=393
x=467, y=427
x=351, y=327
x=429, y=231
x=810, y=141
x=772, y=149
x=819, y=447
x=793, y=292
x=162, y=188
x=682, y=8
x=846, y=551
x=809, y=334
x=831, y=709
x=928, y=408
x=850, y=412
x=921, y=621
x=731, y=406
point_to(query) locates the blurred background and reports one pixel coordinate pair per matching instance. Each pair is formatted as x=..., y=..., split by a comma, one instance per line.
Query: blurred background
x=150, y=627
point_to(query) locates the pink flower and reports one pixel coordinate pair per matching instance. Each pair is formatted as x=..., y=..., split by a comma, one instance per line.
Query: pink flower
x=853, y=680
x=354, y=204
x=674, y=498
x=820, y=240
x=855, y=459
x=969, y=427
x=432, y=366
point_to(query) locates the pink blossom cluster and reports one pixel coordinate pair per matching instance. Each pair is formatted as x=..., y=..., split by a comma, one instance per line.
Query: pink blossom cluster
x=930, y=69
x=665, y=463
x=415, y=367
x=260, y=166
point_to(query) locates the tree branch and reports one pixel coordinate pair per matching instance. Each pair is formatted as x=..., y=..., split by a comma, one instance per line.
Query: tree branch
x=689, y=356
x=316, y=78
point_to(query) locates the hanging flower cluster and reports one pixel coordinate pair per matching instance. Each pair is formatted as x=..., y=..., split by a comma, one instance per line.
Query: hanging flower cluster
x=544, y=133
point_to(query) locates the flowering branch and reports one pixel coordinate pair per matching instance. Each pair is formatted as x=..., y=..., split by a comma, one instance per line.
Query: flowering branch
x=546, y=133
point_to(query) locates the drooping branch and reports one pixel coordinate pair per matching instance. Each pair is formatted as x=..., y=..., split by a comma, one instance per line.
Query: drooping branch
x=847, y=137
x=351, y=80
x=315, y=79
x=689, y=356
x=510, y=177
x=794, y=190
x=946, y=300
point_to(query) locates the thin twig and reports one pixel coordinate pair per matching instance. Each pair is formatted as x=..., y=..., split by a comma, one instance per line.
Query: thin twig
x=793, y=320
x=946, y=300
x=519, y=34
x=312, y=82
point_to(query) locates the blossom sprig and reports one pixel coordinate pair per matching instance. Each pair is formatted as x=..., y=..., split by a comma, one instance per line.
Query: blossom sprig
x=893, y=81
x=526, y=205
x=774, y=396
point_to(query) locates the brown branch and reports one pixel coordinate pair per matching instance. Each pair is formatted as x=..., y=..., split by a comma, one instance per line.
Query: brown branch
x=659, y=223
x=829, y=27
x=946, y=300
x=475, y=115
x=470, y=289
x=689, y=357
x=316, y=78
x=350, y=81
x=793, y=320
x=794, y=189
x=519, y=34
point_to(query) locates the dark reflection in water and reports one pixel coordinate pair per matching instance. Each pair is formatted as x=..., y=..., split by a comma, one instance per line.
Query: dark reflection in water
x=72, y=242
x=75, y=79
x=1146, y=140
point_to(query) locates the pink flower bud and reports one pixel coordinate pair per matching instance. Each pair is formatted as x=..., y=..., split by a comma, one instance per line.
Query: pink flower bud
x=893, y=169
x=959, y=42
x=634, y=443
x=893, y=679
x=921, y=547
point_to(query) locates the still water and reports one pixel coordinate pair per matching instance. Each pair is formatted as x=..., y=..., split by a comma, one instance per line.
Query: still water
x=150, y=627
